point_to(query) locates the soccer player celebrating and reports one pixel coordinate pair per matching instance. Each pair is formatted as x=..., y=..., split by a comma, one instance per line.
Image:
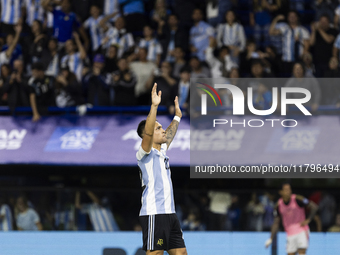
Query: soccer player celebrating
x=160, y=225
x=291, y=209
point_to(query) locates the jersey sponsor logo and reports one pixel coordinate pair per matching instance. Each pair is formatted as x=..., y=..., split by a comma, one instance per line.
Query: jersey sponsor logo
x=72, y=139
x=160, y=242
x=11, y=139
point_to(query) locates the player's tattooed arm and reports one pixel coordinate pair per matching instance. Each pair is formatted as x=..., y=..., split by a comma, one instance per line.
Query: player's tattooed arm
x=313, y=208
x=170, y=132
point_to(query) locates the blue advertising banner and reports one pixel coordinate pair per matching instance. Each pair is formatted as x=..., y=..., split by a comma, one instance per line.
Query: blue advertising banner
x=128, y=243
x=89, y=140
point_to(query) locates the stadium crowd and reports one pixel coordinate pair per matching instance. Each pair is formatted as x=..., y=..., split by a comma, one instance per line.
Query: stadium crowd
x=110, y=52
x=215, y=210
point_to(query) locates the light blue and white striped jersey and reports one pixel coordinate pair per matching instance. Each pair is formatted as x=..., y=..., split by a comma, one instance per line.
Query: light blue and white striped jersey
x=34, y=11
x=66, y=218
x=153, y=46
x=96, y=31
x=199, y=37
x=157, y=196
x=10, y=11
x=337, y=43
x=101, y=218
x=289, y=37
x=231, y=35
x=6, y=224
x=121, y=38
x=53, y=66
x=111, y=6
x=74, y=63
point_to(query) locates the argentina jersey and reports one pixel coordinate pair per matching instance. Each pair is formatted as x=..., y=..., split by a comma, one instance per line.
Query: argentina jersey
x=157, y=196
x=74, y=63
x=34, y=11
x=153, y=46
x=231, y=35
x=95, y=31
x=10, y=11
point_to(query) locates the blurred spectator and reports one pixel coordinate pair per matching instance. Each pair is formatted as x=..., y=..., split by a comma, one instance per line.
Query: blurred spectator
x=255, y=211
x=337, y=17
x=51, y=58
x=183, y=90
x=16, y=86
x=232, y=34
x=65, y=22
x=268, y=202
x=152, y=44
x=33, y=11
x=10, y=15
x=199, y=35
x=75, y=56
x=160, y=13
x=295, y=39
x=216, y=10
x=111, y=59
x=298, y=80
x=6, y=219
x=197, y=69
x=134, y=14
x=124, y=82
x=118, y=35
x=220, y=65
x=67, y=89
x=5, y=72
x=143, y=69
x=327, y=210
x=165, y=83
x=96, y=83
x=192, y=223
x=336, y=226
x=93, y=25
x=322, y=37
x=333, y=68
x=262, y=98
x=27, y=218
x=17, y=51
x=179, y=62
x=260, y=19
x=38, y=44
x=99, y=212
x=111, y=6
x=307, y=61
x=336, y=47
x=234, y=215
x=219, y=204
x=325, y=7
x=41, y=91
x=171, y=36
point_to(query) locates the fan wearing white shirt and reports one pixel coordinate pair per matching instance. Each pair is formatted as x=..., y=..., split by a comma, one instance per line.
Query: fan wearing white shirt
x=5, y=56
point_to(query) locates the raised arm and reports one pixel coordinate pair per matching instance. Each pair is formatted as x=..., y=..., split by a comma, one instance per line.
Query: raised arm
x=170, y=132
x=79, y=45
x=104, y=20
x=151, y=120
x=93, y=197
x=9, y=51
x=272, y=29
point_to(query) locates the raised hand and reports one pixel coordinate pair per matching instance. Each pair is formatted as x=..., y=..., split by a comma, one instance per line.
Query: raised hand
x=178, y=111
x=155, y=98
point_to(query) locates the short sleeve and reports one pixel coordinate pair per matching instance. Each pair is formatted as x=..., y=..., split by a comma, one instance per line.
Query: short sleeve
x=35, y=217
x=159, y=49
x=305, y=34
x=282, y=27
x=141, y=153
x=337, y=11
x=210, y=31
x=130, y=40
x=337, y=42
x=303, y=202
x=86, y=23
x=3, y=58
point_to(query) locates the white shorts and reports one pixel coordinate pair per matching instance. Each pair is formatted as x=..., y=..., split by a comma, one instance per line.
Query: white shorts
x=298, y=241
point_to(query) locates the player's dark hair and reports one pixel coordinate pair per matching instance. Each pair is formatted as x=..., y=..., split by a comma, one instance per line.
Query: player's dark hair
x=141, y=127
x=284, y=183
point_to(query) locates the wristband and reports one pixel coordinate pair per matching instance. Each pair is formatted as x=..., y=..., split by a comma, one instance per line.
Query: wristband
x=177, y=118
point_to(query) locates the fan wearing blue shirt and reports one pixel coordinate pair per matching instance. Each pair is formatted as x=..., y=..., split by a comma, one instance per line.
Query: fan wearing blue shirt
x=65, y=22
